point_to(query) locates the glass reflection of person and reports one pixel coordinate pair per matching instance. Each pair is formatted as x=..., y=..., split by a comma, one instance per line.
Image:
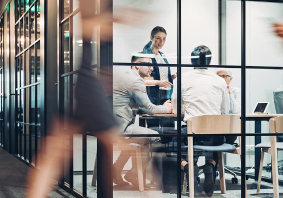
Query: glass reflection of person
x=234, y=92
x=159, y=94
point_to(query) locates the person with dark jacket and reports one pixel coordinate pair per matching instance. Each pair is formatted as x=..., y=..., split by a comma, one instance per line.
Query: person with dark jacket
x=158, y=94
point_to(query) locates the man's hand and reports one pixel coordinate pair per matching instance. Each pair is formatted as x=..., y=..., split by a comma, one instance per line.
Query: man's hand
x=163, y=83
x=174, y=76
x=278, y=29
x=229, y=89
x=168, y=104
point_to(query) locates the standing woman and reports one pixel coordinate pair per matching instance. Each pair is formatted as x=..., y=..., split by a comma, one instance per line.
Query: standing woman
x=159, y=94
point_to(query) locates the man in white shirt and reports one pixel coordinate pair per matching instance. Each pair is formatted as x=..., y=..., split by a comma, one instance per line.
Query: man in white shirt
x=204, y=93
x=234, y=92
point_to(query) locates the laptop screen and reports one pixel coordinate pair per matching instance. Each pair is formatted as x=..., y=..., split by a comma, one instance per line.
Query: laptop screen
x=260, y=107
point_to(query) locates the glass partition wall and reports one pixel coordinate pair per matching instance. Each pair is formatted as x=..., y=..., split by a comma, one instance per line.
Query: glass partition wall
x=241, y=39
x=27, y=67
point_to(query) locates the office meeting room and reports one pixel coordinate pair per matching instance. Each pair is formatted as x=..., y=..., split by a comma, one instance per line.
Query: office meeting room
x=198, y=94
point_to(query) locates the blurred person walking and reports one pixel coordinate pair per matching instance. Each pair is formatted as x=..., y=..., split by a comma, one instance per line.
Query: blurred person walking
x=92, y=113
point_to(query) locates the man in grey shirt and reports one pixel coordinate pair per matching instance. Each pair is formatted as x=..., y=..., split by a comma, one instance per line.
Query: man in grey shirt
x=129, y=95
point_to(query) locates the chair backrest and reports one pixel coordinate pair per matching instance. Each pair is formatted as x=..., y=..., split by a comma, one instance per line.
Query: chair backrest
x=214, y=124
x=276, y=124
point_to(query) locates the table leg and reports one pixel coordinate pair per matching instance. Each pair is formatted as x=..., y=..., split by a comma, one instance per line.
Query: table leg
x=257, y=150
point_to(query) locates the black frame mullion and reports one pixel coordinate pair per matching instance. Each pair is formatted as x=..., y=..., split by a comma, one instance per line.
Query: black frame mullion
x=243, y=98
x=179, y=117
x=71, y=85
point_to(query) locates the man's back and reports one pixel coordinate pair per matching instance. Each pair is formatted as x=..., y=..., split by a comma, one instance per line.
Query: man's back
x=203, y=93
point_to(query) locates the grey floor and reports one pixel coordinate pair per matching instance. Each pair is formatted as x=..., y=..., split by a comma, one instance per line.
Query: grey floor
x=13, y=175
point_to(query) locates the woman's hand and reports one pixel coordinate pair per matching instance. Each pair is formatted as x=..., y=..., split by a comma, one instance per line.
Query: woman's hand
x=174, y=76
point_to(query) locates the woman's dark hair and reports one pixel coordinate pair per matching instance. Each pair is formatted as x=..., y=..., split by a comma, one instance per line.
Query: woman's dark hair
x=201, y=51
x=153, y=32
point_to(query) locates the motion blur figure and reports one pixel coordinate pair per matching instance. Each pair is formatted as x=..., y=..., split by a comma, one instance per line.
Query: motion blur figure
x=92, y=113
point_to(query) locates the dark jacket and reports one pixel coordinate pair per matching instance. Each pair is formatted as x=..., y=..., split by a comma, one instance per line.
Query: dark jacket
x=153, y=91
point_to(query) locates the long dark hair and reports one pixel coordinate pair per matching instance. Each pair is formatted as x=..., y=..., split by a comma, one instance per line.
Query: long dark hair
x=152, y=34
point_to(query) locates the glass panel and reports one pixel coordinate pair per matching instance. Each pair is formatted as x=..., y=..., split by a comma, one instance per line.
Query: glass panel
x=32, y=107
x=232, y=43
x=91, y=158
x=18, y=8
x=125, y=40
x=27, y=66
x=32, y=22
x=22, y=70
x=38, y=62
x=22, y=35
x=77, y=43
x=66, y=8
x=32, y=72
x=18, y=36
x=38, y=20
x=66, y=48
x=27, y=30
x=67, y=96
x=26, y=5
x=38, y=107
x=22, y=7
x=194, y=29
x=260, y=19
x=77, y=162
x=253, y=160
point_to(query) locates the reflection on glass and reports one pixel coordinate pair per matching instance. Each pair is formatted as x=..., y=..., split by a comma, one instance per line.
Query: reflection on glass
x=77, y=43
x=27, y=41
x=22, y=71
x=27, y=71
x=18, y=40
x=32, y=72
x=38, y=106
x=21, y=40
x=26, y=5
x=22, y=7
x=32, y=105
x=18, y=8
x=38, y=63
x=66, y=8
x=67, y=96
x=66, y=40
x=32, y=24
x=38, y=20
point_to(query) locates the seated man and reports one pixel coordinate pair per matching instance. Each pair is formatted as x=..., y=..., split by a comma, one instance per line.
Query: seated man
x=204, y=93
x=129, y=95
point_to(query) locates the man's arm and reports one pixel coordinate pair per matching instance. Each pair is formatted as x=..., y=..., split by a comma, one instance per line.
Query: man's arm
x=138, y=91
x=235, y=101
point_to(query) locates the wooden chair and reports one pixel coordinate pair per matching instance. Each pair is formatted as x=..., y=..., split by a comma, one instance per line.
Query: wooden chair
x=276, y=126
x=212, y=124
x=136, y=160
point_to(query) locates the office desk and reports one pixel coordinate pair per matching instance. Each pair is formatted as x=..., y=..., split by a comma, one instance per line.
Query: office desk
x=258, y=118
